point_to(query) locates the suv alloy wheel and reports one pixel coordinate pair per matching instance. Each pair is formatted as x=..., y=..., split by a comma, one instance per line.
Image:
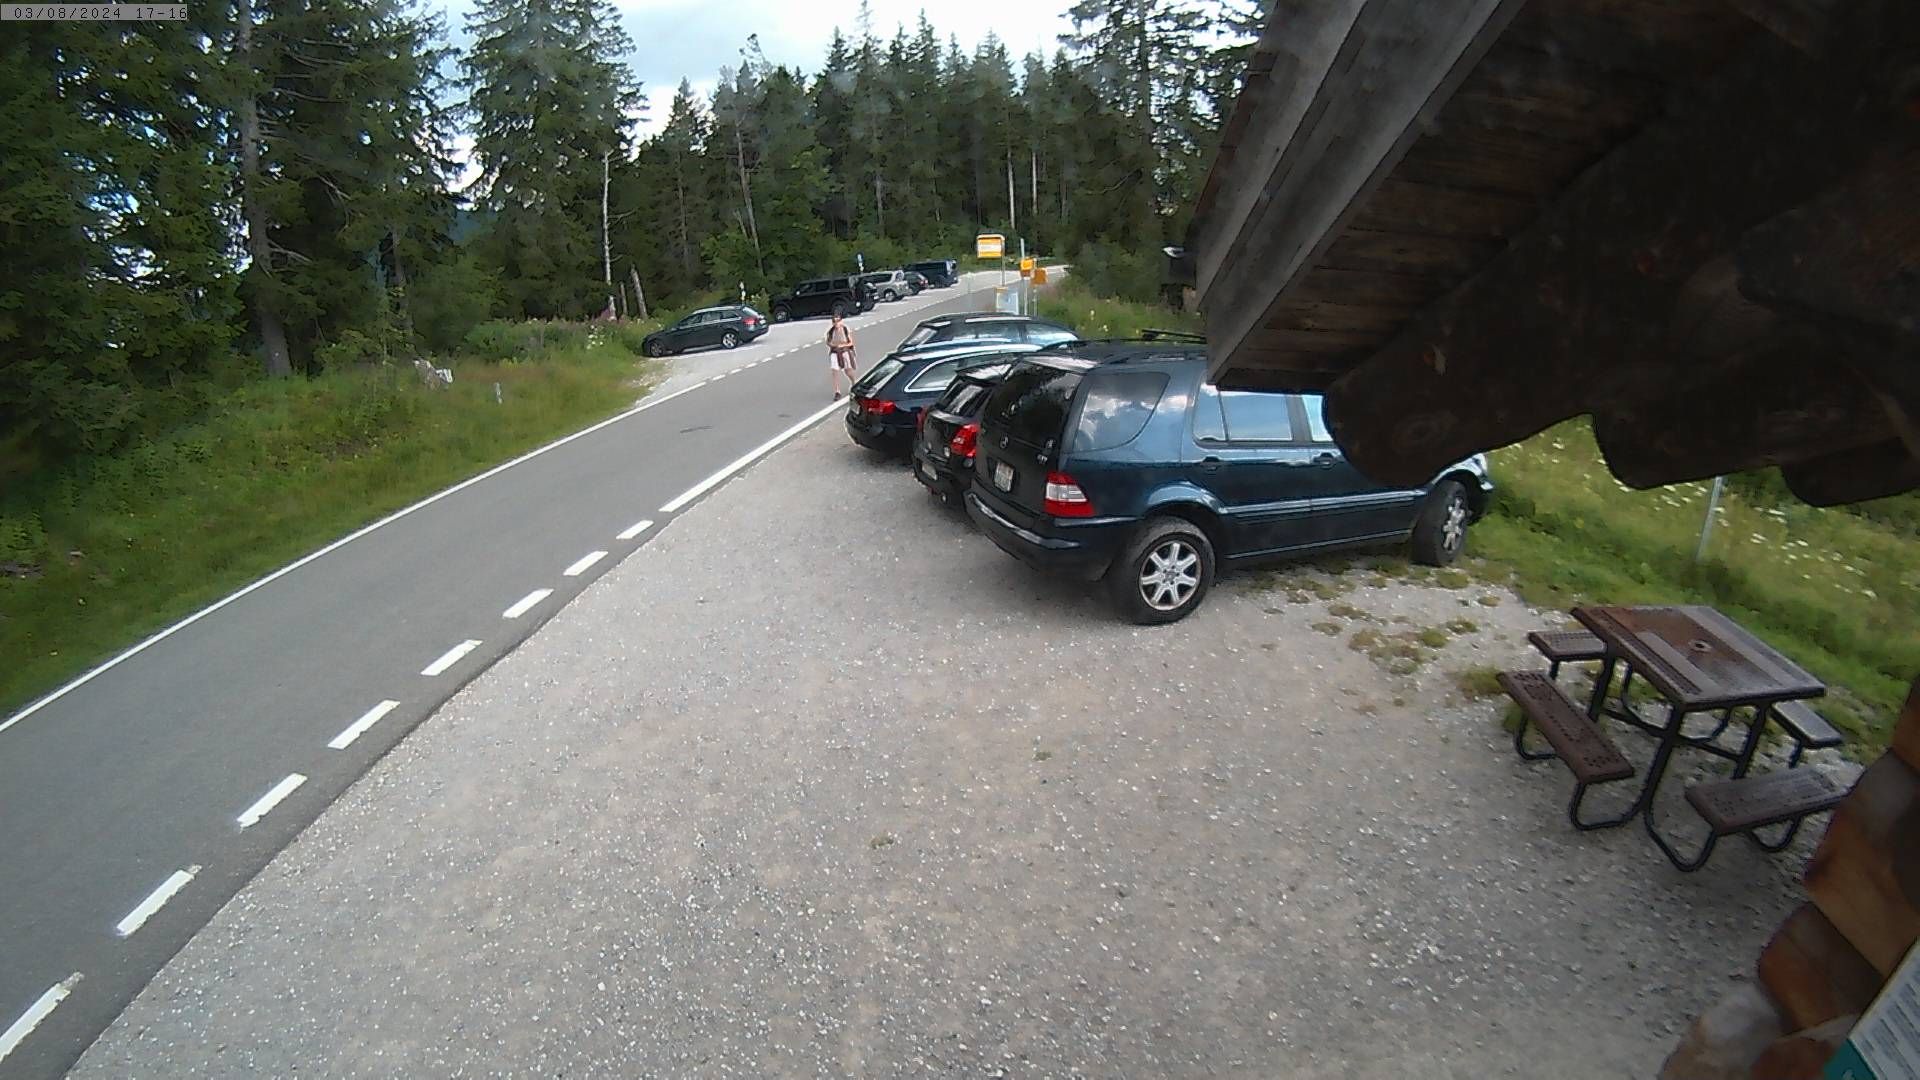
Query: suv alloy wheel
x=1163, y=573
x=1441, y=529
x=781, y=313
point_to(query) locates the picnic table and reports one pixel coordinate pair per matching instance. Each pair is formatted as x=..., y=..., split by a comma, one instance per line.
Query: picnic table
x=1698, y=662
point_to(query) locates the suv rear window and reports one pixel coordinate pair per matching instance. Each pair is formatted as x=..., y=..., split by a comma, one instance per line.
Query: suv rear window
x=1116, y=407
x=962, y=396
x=1032, y=404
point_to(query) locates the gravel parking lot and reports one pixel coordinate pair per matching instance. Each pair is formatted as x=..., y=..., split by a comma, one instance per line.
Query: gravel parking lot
x=819, y=782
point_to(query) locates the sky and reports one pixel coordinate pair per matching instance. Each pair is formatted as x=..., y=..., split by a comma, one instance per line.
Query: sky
x=696, y=38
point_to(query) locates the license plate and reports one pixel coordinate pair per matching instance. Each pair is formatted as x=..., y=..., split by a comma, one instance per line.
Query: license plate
x=1003, y=476
x=926, y=470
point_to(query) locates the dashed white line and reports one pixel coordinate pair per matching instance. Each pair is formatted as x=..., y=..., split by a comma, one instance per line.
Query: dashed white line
x=359, y=727
x=17, y=1032
x=264, y=805
x=450, y=657
x=121, y=658
x=746, y=459
x=580, y=567
x=636, y=529
x=155, y=901
x=525, y=604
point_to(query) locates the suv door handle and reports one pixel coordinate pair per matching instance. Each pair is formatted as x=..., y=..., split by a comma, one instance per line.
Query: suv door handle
x=1209, y=463
x=1325, y=461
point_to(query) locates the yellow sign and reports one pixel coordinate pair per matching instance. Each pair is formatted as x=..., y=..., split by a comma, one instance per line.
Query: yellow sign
x=1026, y=263
x=1039, y=275
x=989, y=246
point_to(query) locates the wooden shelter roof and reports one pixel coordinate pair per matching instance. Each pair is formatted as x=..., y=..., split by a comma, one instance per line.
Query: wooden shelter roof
x=1697, y=221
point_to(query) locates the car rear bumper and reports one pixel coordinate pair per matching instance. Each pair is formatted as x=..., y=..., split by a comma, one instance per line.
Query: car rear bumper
x=940, y=477
x=886, y=440
x=1082, y=557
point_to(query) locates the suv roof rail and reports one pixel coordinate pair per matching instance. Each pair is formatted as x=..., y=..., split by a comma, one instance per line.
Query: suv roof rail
x=1173, y=335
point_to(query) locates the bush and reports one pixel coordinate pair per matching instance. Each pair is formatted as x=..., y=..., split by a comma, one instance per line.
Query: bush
x=1112, y=271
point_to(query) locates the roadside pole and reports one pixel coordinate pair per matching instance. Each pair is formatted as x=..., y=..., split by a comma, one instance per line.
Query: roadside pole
x=1706, y=527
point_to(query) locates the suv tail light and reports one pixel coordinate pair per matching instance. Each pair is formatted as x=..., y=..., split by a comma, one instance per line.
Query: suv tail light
x=876, y=406
x=1064, y=497
x=751, y=321
x=963, y=442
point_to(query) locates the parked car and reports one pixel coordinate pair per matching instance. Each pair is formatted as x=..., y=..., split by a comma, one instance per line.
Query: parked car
x=916, y=281
x=1118, y=461
x=988, y=327
x=944, y=451
x=888, y=285
x=885, y=406
x=940, y=273
x=823, y=296
x=727, y=327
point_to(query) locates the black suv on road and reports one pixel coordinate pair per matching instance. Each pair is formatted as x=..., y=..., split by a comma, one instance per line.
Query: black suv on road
x=940, y=273
x=823, y=296
x=1118, y=460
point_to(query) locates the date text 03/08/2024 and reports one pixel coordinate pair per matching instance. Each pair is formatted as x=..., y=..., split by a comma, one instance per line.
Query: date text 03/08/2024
x=93, y=12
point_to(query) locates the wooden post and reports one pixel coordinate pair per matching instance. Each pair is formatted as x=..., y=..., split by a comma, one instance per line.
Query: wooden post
x=639, y=295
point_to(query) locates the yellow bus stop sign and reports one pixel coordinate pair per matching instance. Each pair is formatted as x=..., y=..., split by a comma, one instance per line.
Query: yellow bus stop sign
x=989, y=246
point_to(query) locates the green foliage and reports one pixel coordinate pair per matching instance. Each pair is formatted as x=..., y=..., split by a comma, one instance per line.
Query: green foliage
x=1111, y=270
x=1074, y=304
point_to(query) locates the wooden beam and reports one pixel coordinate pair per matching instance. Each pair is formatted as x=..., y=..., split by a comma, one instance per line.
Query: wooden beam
x=1802, y=23
x=1767, y=407
x=1386, y=79
x=1294, y=56
x=1860, y=874
x=1906, y=731
x=1813, y=973
x=1851, y=476
x=1574, y=314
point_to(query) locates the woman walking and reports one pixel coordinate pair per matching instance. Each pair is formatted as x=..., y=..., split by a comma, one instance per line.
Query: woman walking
x=840, y=355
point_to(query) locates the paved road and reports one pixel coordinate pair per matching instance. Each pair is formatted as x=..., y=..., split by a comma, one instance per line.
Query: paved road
x=139, y=802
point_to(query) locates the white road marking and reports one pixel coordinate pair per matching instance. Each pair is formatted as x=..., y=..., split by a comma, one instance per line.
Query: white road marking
x=359, y=727
x=580, y=567
x=635, y=529
x=251, y=815
x=150, y=642
x=525, y=603
x=746, y=459
x=17, y=1032
x=450, y=657
x=155, y=900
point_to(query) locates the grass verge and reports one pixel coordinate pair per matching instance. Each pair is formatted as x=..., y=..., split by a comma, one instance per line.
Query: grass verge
x=99, y=553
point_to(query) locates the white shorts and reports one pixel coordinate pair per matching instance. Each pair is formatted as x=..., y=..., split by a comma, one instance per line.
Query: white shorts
x=839, y=360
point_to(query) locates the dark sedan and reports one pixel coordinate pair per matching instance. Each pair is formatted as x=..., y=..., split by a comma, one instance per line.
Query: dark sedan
x=887, y=401
x=944, y=452
x=726, y=327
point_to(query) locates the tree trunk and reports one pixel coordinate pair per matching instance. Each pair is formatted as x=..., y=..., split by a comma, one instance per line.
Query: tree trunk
x=405, y=306
x=746, y=195
x=680, y=200
x=606, y=241
x=639, y=294
x=273, y=334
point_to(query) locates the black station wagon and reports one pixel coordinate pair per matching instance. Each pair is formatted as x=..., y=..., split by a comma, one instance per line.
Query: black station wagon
x=888, y=402
x=1119, y=461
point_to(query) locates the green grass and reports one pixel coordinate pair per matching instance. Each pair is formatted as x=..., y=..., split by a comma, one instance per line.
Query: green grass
x=1098, y=317
x=1838, y=592
x=101, y=552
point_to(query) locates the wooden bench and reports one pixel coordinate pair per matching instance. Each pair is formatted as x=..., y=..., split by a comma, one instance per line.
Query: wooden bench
x=1566, y=646
x=1732, y=807
x=1576, y=740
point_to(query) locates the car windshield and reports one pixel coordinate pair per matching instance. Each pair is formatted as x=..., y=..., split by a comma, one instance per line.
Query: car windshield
x=1031, y=405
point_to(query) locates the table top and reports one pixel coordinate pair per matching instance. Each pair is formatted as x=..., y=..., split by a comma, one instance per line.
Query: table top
x=1698, y=658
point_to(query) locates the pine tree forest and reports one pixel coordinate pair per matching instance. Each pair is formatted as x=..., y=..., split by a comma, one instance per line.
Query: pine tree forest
x=269, y=189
